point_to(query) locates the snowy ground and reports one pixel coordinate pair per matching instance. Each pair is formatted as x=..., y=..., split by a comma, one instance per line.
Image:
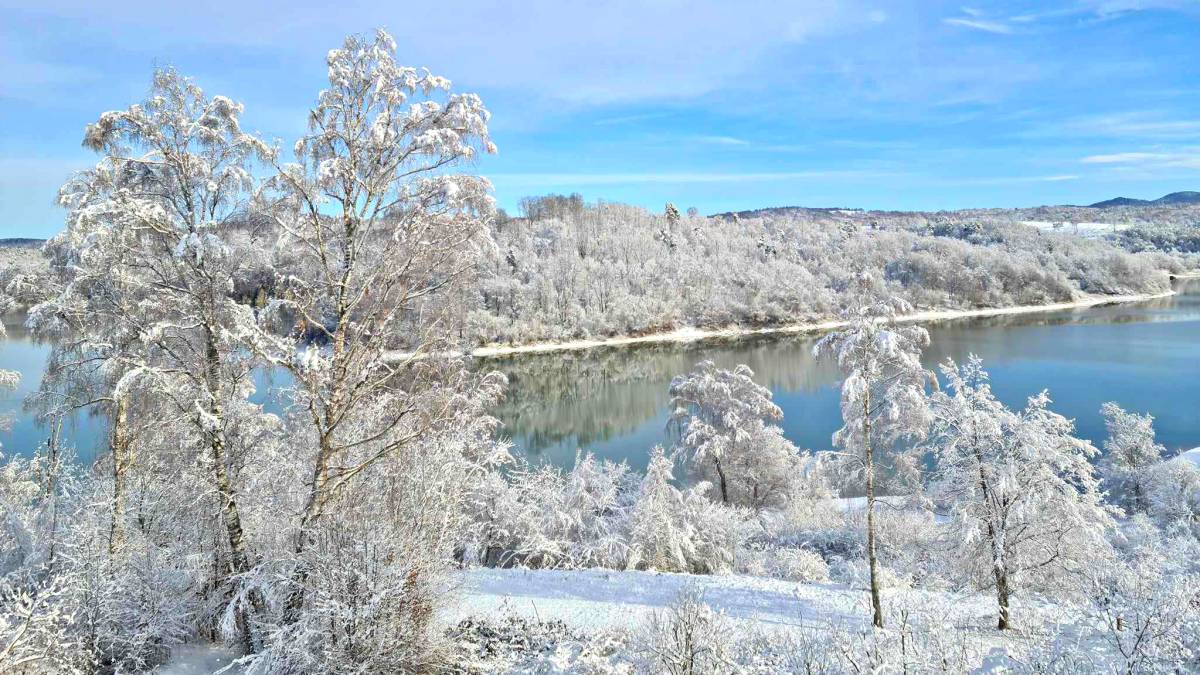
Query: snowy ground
x=1192, y=455
x=606, y=599
x=597, y=602
x=1088, y=230
x=199, y=660
x=594, y=599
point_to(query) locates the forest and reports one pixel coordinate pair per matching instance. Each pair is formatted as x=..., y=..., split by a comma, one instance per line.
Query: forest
x=945, y=531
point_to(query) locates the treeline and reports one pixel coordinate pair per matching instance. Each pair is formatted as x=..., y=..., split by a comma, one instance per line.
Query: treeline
x=569, y=269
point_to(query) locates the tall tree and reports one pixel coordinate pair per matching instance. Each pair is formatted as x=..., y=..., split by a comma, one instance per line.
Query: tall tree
x=146, y=270
x=883, y=398
x=721, y=415
x=376, y=229
x=1023, y=495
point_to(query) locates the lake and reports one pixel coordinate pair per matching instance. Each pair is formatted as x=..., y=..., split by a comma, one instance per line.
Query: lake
x=613, y=401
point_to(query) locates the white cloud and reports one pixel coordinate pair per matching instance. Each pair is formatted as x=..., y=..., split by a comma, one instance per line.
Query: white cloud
x=579, y=53
x=541, y=180
x=1165, y=160
x=980, y=24
x=1134, y=125
x=721, y=140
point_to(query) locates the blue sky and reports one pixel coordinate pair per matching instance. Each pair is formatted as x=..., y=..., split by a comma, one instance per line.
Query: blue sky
x=721, y=105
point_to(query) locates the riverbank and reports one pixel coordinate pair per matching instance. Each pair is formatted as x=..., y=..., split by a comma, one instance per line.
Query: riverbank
x=690, y=334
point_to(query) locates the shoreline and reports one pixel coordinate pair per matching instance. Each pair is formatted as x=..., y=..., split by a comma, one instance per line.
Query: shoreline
x=692, y=334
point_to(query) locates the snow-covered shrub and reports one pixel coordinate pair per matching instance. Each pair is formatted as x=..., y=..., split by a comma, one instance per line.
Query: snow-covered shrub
x=545, y=517
x=689, y=638
x=796, y=564
x=40, y=580
x=767, y=652
x=1130, y=455
x=791, y=564
x=907, y=540
x=38, y=624
x=600, y=515
x=716, y=531
x=512, y=643
x=1173, y=495
x=1148, y=610
x=681, y=531
x=855, y=574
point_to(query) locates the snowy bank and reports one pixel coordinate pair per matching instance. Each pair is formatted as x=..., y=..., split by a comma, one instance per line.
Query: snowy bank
x=689, y=334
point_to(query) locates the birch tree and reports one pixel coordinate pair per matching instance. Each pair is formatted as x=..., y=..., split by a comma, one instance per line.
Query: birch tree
x=377, y=227
x=882, y=400
x=1025, y=504
x=146, y=269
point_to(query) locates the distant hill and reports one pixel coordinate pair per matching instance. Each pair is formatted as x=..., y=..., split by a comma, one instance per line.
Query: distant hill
x=21, y=242
x=1173, y=199
x=779, y=211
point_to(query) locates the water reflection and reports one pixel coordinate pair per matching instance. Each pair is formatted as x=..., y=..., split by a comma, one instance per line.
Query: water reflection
x=613, y=401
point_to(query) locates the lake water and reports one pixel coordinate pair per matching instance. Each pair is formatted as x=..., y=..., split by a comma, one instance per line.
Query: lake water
x=613, y=401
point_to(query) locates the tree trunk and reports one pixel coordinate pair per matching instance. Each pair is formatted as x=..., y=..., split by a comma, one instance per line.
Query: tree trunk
x=1003, y=622
x=721, y=477
x=999, y=572
x=230, y=515
x=120, y=447
x=872, y=559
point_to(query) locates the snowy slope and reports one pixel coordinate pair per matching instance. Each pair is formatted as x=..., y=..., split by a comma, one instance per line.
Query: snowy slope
x=606, y=599
x=1192, y=456
x=601, y=599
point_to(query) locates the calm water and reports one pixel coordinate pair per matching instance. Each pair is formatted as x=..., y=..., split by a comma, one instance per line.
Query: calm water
x=613, y=401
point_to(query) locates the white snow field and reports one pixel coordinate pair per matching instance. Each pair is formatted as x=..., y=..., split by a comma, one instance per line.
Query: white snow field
x=593, y=600
x=608, y=599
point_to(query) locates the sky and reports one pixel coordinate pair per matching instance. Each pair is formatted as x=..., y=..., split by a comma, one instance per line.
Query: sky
x=715, y=105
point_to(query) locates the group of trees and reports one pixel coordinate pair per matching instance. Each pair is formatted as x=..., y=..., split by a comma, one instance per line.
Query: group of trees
x=318, y=533
x=195, y=258
x=1005, y=501
x=569, y=269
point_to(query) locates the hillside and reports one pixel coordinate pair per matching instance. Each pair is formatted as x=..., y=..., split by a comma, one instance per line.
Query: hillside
x=1177, y=208
x=1173, y=199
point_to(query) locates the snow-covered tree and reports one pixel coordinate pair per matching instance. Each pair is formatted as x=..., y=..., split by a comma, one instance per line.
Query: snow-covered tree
x=1173, y=495
x=146, y=271
x=1148, y=606
x=1130, y=451
x=883, y=397
x=375, y=230
x=373, y=223
x=721, y=416
x=1023, y=496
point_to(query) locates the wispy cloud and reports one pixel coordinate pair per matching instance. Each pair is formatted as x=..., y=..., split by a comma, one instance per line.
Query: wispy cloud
x=984, y=25
x=1189, y=159
x=721, y=140
x=1138, y=125
x=619, y=120
x=1103, y=10
x=682, y=178
x=1011, y=180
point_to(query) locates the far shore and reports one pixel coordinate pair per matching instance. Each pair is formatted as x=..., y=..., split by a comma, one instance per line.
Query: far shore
x=689, y=334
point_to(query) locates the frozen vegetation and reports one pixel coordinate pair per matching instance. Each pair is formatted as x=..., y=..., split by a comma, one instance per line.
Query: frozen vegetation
x=376, y=524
